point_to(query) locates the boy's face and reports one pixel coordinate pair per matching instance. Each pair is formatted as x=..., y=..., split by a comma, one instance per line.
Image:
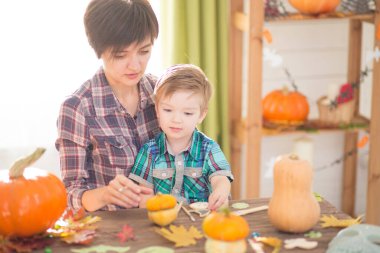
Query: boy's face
x=179, y=114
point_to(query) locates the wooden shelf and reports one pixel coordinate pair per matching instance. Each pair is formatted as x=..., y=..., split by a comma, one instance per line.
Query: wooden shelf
x=315, y=126
x=367, y=17
x=249, y=131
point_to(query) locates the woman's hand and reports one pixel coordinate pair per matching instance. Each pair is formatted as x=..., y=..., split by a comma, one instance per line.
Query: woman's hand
x=124, y=192
x=120, y=191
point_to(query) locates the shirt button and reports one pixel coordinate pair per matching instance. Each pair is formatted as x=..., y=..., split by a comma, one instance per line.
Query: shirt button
x=194, y=174
x=179, y=163
x=163, y=174
x=176, y=191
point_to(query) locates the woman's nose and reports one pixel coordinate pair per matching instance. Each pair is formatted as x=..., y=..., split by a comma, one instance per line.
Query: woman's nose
x=134, y=63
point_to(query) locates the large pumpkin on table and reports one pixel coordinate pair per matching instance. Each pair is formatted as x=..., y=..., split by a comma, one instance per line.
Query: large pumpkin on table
x=226, y=232
x=285, y=107
x=31, y=199
x=314, y=6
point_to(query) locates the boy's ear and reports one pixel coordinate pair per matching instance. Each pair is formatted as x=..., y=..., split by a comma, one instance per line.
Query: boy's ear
x=203, y=115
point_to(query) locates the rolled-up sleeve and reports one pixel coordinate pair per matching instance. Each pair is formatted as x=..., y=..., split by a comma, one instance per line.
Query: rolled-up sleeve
x=217, y=163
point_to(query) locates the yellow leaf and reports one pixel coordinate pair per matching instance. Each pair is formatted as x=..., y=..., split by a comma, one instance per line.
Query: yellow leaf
x=180, y=236
x=332, y=221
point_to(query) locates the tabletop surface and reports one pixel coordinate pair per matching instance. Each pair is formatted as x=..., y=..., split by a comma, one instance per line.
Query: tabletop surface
x=113, y=221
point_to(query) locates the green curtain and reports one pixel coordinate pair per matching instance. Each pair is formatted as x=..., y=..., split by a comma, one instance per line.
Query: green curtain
x=196, y=31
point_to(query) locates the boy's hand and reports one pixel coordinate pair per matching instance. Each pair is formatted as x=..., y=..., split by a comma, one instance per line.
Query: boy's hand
x=218, y=198
x=221, y=187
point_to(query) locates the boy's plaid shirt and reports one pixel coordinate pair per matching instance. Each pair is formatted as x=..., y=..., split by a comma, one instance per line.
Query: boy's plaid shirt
x=187, y=175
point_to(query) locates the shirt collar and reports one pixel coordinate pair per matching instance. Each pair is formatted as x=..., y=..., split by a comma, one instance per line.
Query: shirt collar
x=105, y=101
x=192, y=149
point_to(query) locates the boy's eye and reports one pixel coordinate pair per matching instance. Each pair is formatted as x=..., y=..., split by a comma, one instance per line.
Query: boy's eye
x=189, y=113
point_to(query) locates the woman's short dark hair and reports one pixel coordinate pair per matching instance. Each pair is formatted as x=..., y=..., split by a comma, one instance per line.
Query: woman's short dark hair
x=115, y=24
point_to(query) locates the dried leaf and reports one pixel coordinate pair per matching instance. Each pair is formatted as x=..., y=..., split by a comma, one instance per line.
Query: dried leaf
x=101, y=249
x=126, y=234
x=75, y=228
x=180, y=236
x=83, y=237
x=332, y=221
x=270, y=241
x=26, y=244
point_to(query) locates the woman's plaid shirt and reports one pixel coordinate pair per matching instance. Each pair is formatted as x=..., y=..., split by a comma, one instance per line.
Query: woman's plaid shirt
x=98, y=139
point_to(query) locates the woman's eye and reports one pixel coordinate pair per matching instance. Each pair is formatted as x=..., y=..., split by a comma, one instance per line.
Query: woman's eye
x=167, y=110
x=145, y=52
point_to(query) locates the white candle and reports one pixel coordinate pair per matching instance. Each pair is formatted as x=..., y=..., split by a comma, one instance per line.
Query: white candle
x=333, y=91
x=303, y=147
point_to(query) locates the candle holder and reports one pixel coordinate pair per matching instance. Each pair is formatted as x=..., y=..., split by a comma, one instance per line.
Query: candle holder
x=335, y=115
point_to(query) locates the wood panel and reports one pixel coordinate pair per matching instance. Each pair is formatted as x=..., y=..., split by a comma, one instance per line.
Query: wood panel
x=254, y=111
x=351, y=138
x=235, y=95
x=373, y=190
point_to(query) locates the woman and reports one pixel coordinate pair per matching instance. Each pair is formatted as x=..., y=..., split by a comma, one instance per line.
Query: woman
x=103, y=124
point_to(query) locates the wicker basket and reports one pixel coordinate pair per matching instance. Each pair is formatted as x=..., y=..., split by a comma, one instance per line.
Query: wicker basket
x=342, y=114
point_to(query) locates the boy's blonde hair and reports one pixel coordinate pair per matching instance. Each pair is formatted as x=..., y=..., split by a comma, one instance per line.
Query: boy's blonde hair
x=184, y=77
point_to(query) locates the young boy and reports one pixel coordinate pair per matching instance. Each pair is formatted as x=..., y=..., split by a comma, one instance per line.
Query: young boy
x=181, y=160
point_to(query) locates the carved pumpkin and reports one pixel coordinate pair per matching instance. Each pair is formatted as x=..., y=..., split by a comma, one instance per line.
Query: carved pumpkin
x=226, y=232
x=314, y=6
x=293, y=207
x=285, y=107
x=162, y=209
x=31, y=200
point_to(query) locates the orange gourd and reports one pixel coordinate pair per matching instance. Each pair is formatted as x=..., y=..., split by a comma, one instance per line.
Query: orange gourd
x=314, y=6
x=293, y=207
x=226, y=232
x=31, y=199
x=162, y=209
x=285, y=107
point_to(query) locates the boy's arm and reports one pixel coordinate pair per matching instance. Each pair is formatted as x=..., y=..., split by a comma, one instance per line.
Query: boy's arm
x=221, y=188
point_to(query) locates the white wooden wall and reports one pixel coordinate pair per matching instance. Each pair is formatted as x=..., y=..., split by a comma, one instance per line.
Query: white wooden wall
x=315, y=53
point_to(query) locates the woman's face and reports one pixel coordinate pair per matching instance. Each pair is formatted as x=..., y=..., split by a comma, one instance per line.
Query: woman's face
x=126, y=67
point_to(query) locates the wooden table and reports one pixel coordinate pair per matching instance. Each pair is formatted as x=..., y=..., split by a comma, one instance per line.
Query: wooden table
x=112, y=223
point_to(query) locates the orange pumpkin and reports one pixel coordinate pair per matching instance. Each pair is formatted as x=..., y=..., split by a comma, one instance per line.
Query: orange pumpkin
x=161, y=202
x=162, y=209
x=285, y=107
x=314, y=6
x=226, y=232
x=31, y=200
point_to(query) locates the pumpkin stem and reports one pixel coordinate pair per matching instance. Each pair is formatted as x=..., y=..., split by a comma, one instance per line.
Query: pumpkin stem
x=292, y=82
x=294, y=157
x=17, y=169
x=226, y=211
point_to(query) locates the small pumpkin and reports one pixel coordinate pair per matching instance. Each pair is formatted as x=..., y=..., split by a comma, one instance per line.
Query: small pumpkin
x=314, y=6
x=162, y=209
x=285, y=107
x=32, y=199
x=293, y=207
x=226, y=232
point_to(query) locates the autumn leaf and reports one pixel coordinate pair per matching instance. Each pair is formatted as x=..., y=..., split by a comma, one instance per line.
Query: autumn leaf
x=25, y=244
x=180, y=236
x=332, y=221
x=126, y=234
